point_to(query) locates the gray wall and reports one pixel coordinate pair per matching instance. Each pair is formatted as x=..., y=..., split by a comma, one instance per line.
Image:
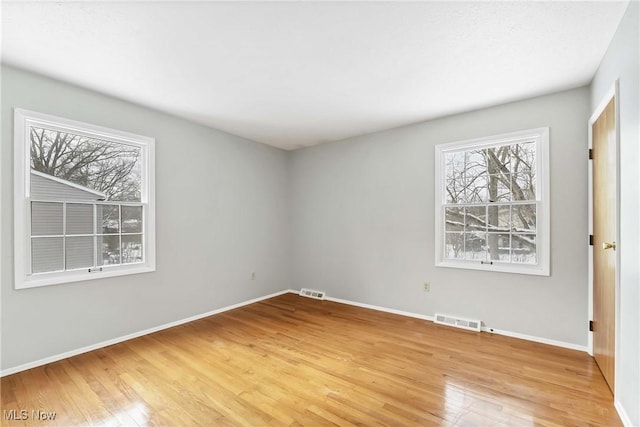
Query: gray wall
x=621, y=61
x=363, y=222
x=221, y=213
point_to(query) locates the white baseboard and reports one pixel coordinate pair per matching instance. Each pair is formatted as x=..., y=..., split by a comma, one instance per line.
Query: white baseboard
x=624, y=417
x=385, y=309
x=117, y=340
x=536, y=339
x=484, y=329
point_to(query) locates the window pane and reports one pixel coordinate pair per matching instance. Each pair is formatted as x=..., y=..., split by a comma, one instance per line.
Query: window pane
x=110, y=215
x=498, y=160
x=46, y=254
x=475, y=163
x=524, y=187
x=498, y=218
x=108, y=250
x=476, y=218
x=475, y=246
x=499, y=246
x=46, y=219
x=476, y=190
x=131, y=249
x=454, y=177
x=79, y=252
x=455, y=191
x=131, y=219
x=524, y=218
x=79, y=219
x=454, y=219
x=523, y=248
x=499, y=188
x=523, y=157
x=454, y=246
x=454, y=164
x=95, y=168
x=476, y=176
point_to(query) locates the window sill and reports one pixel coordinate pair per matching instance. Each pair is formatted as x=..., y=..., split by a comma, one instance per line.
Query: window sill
x=536, y=270
x=36, y=281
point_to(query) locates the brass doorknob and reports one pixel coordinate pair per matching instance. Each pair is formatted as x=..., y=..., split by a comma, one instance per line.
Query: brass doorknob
x=607, y=245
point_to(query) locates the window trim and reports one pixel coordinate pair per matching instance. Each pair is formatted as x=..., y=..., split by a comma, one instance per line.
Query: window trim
x=23, y=119
x=543, y=229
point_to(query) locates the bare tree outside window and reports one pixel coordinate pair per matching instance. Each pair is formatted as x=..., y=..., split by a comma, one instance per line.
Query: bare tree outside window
x=490, y=204
x=84, y=201
x=109, y=174
x=108, y=167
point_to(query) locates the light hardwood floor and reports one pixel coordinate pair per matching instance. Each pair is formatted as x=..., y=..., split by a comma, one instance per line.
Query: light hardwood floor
x=291, y=360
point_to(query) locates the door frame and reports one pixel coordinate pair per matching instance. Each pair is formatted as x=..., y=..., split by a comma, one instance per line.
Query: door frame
x=613, y=92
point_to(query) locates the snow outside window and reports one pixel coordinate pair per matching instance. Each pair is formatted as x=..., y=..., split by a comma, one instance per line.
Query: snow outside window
x=84, y=201
x=492, y=203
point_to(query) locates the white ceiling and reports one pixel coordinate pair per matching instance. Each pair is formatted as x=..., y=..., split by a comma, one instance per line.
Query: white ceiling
x=296, y=74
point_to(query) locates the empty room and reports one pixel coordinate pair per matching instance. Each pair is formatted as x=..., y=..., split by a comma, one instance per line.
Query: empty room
x=320, y=213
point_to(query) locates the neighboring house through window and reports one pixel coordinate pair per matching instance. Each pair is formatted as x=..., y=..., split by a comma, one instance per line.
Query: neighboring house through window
x=492, y=203
x=84, y=201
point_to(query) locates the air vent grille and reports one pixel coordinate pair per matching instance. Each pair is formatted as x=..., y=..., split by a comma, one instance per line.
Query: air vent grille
x=311, y=293
x=458, y=322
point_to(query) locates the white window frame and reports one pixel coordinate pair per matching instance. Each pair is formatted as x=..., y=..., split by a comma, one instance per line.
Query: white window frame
x=543, y=232
x=23, y=120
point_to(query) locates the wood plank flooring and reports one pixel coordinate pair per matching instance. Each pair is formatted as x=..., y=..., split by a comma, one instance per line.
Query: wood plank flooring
x=291, y=360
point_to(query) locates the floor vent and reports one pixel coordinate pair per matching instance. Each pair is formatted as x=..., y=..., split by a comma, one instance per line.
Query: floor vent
x=311, y=293
x=458, y=322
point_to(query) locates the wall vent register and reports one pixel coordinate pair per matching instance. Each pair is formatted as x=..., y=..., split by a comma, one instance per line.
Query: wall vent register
x=458, y=322
x=311, y=293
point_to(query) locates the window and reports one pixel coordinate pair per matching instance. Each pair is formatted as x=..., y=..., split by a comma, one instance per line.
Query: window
x=84, y=201
x=492, y=203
